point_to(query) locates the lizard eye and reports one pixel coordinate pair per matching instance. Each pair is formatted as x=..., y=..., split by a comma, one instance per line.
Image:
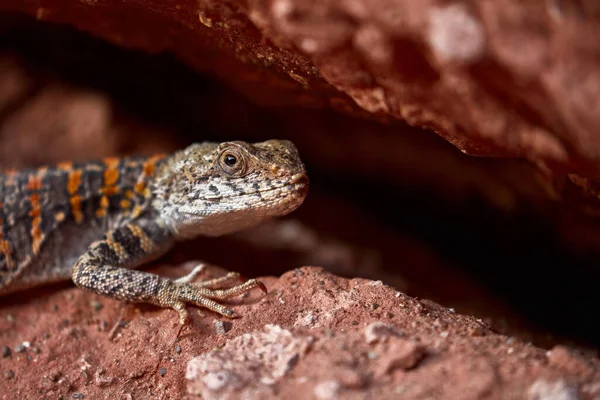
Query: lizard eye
x=232, y=163
x=230, y=160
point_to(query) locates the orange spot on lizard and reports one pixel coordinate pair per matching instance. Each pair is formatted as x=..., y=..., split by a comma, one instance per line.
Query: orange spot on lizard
x=35, y=184
x=148, y=170
x=73, y=184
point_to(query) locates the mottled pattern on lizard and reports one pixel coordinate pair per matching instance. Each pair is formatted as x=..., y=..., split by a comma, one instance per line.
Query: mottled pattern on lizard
x=95, y=221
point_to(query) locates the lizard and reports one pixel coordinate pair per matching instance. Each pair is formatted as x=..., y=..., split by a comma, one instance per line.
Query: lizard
x=96, y=222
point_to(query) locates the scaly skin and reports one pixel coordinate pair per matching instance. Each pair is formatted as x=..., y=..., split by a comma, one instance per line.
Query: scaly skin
x=96, y=221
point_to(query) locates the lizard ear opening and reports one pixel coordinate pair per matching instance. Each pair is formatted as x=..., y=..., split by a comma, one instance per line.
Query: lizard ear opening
x=233, y=162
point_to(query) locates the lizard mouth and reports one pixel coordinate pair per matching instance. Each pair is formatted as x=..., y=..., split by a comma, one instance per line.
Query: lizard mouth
x=297, y=185
x=299, y=179
x=300, y=183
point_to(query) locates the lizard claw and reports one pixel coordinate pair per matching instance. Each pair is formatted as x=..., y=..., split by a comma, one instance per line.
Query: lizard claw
x=259, y=285
x=177, y=293
x=262, y=287
x=192, y=275
x=184, y=316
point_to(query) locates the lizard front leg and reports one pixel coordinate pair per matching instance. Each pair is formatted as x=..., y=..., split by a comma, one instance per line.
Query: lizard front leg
x=105, y=268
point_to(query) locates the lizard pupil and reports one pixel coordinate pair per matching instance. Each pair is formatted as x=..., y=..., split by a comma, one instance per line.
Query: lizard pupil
x=230, y=160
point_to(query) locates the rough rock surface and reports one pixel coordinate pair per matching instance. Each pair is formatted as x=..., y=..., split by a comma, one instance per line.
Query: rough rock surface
x=314, y=335
x=494, y=78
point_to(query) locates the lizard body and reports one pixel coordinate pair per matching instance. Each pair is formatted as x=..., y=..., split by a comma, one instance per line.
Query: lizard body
x=96, y=221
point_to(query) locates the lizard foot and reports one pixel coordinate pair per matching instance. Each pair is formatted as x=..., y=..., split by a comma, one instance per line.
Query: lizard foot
x=175, y=294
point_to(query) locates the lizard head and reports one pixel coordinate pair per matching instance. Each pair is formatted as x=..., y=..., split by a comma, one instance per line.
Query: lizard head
x=212, y=189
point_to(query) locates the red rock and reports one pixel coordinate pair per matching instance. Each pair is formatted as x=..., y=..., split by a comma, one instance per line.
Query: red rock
x=563, y=358
x=266, y=353
x=399, y=354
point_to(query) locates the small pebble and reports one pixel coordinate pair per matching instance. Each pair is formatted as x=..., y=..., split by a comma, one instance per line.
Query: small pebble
x=20, y=348
x=6, y=352
x=54, y=376
x=136, y=374
x=163, y=371
x=222, y=327
x=327, y=390
x=96, y=305
x=77, y=396
x=178, y=349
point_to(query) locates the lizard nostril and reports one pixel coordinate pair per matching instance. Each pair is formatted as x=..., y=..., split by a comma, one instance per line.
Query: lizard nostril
x=300, y=179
